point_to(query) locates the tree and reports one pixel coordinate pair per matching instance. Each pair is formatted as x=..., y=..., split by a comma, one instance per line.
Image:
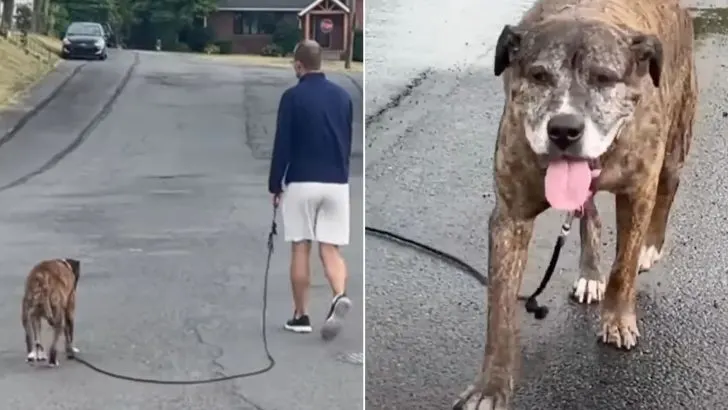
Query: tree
x=137, y=22
x=350, y=38
x=7, y=18
x=24, y=21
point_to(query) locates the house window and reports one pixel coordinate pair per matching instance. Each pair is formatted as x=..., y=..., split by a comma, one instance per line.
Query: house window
x=256, y=22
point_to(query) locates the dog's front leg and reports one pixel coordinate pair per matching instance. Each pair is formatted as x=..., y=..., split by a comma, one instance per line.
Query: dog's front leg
x=619, y=319
x=590, y=285
x=507, y=255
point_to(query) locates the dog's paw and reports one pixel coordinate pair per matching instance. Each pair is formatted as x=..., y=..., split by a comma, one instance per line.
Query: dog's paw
x=31, y=357
x=473, y=399
x=54, y=363
x=649, y=256
x=588, y=290
x=619, y=329
x=41, y=356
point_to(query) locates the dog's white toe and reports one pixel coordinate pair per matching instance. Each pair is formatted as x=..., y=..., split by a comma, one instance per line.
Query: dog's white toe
x=472, y=400
x=32, y=356
x=649, y=256
x=41, y=356
x=588, y=290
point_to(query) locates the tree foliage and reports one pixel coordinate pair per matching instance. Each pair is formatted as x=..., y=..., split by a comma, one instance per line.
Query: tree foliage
x=139, y=23
x=24, y=21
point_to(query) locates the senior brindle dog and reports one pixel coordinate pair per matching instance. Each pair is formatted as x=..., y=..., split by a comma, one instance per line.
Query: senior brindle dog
x=600, y=95
x=50, y=294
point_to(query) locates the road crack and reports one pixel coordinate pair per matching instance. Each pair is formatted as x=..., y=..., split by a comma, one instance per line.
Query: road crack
x=220, y=371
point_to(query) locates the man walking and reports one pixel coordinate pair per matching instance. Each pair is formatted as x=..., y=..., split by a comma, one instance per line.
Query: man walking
x=309, y=176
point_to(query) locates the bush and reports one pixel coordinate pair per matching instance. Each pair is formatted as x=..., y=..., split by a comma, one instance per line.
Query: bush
x=286, y=36
x=197, y=38
x=272, y=50
x=212, y=49
x=224, y=47
x=358, y=54
x=23, y=18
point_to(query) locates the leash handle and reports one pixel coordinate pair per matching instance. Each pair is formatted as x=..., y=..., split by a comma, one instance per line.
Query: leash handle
x=273, y=228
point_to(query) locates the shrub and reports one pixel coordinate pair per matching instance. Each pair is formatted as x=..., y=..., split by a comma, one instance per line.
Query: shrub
x=197, y=38
x=225, y=47
x=358, y=54
x=23, y=18
x=272, y=50
x=212, y=49
x=286, y=36
x=182, y=47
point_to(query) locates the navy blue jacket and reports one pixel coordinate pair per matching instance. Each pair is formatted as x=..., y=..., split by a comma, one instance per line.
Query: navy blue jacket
x=313, y=134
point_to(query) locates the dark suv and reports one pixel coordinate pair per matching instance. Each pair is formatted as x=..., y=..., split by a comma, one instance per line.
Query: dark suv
x=84, y=39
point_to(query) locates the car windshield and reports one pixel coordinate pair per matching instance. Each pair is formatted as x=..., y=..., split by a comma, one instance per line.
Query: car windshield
x=83, y=30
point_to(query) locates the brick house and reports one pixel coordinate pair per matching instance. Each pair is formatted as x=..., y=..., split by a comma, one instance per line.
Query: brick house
x=249, y=24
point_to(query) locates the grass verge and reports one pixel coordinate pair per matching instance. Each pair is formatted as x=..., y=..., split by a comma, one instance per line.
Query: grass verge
x=21, y=67
x=281, y=62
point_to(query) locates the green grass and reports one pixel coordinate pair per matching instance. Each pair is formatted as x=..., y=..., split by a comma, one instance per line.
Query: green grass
x=710, y=21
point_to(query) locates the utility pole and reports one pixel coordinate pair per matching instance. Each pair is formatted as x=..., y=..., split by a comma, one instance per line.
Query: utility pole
x=352, y=30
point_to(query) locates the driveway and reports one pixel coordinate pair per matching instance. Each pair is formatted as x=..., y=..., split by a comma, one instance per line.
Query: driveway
x=165, y=202
x=428, y=169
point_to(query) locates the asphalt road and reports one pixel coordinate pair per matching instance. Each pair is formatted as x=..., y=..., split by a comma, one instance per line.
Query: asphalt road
x=428, y=170
x=165, y=203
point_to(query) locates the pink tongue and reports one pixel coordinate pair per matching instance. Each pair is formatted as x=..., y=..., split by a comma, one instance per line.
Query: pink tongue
x=567, y=184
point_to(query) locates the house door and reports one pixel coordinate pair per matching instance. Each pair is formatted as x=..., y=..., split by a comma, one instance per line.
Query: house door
x=324, y=39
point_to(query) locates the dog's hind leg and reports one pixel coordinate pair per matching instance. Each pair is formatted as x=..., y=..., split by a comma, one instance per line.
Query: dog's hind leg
x=38, y=351
x=58, y=325
x=678, y=146
x=68, y=329
x=30, y=338
x=589, y=286
x=652, y=249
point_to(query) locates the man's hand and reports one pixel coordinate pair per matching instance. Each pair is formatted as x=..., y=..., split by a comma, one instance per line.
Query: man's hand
x=276, y=200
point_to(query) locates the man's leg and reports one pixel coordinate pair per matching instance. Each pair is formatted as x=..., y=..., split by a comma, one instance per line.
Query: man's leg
x=332, y=231
x=300, y=276
x=334, y=267
x=298, y=222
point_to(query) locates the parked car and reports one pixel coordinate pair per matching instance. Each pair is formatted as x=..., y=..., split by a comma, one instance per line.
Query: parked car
x=84, y=39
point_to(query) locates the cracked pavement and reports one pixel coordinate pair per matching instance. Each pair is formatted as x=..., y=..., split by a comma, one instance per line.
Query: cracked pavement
x=166, y=205
x=428, y=168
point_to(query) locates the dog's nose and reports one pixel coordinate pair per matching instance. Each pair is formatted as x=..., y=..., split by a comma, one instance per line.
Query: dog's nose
x=565, y=129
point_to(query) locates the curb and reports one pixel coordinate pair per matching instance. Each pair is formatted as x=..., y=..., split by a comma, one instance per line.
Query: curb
x=9, y=134
x=355, y=82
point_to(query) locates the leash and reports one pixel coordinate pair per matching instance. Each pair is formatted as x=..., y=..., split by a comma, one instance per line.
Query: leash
x=532, y=306
x=264, y=335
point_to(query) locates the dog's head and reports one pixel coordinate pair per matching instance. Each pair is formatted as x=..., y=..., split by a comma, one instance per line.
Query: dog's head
x=575, y=83
x=75, y=265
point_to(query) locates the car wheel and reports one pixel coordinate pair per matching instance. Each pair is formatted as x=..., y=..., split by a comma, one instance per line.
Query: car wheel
x=103, y=56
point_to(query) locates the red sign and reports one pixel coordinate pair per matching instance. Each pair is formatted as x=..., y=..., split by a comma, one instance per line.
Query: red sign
x=327, y=25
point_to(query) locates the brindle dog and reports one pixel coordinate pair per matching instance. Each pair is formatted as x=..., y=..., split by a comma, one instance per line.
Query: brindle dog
x=599, y=86
x=50, y=294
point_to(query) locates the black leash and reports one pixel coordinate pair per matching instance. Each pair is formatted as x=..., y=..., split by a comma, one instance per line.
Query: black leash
x=271, y=360
x=532, y=306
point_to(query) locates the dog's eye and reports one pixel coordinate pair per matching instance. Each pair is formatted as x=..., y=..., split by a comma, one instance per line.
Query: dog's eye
x=539, y=75
x=604, y=77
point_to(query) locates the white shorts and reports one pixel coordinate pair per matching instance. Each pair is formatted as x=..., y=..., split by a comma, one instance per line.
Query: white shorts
x=316, y=211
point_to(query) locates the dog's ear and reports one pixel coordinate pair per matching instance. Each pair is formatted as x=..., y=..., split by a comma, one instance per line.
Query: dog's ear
x=647, y=50
x=508, y=43
x=75, y=267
